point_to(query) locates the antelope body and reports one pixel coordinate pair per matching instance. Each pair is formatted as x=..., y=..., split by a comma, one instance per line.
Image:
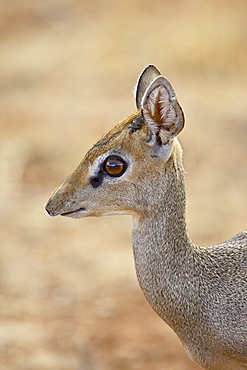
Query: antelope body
x=137, y=169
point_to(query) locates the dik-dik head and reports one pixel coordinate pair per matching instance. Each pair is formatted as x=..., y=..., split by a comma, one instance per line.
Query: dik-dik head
x=123, y=172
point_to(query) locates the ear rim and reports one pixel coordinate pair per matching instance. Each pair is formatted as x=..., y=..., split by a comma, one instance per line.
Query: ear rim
x=147, y=76
x=179, y=115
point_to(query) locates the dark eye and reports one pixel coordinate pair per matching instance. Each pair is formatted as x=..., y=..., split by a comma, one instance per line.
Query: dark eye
x=114, y=166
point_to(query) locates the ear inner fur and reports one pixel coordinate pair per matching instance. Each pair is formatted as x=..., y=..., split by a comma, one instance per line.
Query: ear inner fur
x=161, y=111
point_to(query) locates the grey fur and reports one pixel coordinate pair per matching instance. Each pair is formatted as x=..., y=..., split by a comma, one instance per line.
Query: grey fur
x=200, y=292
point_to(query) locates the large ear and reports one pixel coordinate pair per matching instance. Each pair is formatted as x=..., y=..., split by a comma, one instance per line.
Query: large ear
x=145, y=79
x=161, y=111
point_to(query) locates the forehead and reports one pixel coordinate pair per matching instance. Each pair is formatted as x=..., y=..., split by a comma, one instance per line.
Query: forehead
x=117, y=134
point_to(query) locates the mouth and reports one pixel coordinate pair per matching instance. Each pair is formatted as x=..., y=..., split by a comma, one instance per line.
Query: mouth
x=78, y=213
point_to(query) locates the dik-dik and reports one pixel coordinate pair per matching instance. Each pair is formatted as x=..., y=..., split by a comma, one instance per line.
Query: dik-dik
x=137, y=169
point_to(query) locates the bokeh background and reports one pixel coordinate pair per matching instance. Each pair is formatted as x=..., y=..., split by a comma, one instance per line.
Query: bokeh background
x=69, y=298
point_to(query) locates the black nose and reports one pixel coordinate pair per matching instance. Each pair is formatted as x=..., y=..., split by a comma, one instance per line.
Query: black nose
x=47, y=210
x=50, y=213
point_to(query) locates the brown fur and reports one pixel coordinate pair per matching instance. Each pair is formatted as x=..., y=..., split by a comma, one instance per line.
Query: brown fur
x=200, y=292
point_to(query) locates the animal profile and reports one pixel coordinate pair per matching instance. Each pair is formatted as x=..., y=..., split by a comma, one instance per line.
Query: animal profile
x=137, y=169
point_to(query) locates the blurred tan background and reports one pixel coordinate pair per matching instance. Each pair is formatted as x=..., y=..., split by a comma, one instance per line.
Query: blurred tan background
x=69, y=295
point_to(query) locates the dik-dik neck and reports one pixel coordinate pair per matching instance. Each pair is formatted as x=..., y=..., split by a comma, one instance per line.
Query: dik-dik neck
x=161, y=244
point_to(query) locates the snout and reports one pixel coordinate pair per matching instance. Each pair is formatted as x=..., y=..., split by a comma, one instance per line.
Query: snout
x=58, y=206
x=50, y=209
x=64, y=202
x=47, y=208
